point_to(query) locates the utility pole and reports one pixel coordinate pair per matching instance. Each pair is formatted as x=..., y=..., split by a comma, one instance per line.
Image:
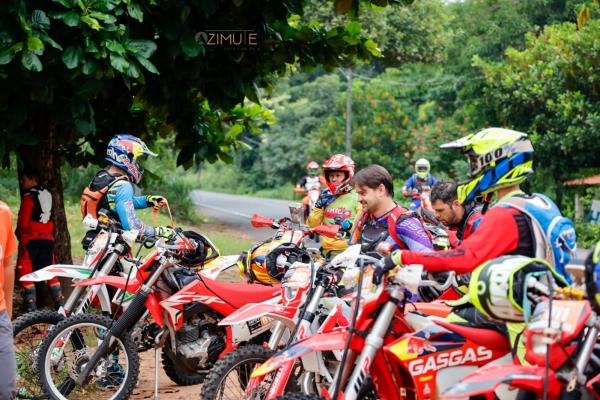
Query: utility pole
x=349, y=112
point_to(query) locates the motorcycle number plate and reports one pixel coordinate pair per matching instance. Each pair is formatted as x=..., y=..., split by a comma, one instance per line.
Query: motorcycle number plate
x=565, y=314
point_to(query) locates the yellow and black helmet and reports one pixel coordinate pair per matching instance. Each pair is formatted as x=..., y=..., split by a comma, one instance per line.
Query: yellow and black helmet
x=267, y=262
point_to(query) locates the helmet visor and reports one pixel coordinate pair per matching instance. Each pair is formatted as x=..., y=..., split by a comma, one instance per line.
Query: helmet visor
x=422, y=168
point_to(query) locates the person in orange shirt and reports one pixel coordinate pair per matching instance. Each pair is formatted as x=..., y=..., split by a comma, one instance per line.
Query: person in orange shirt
x=8, y=247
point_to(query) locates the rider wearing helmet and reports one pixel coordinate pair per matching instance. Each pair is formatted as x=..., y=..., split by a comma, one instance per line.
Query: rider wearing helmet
x=312, y=180
x=112, y=188
x=338, y=203
x=500, y=160
x=417, y=182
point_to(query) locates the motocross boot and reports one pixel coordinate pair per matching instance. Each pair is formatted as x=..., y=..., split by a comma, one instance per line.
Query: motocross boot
x=29, y=299
x=57, y=295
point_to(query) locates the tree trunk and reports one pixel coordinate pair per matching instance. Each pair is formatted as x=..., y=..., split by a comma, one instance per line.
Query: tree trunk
x=44, y=158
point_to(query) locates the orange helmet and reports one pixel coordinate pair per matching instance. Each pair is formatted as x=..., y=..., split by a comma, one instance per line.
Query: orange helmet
x=343, y=163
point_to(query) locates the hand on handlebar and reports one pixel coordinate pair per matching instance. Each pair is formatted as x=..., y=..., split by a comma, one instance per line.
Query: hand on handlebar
x=385, y=265
x=165, y=232
x=156, y=201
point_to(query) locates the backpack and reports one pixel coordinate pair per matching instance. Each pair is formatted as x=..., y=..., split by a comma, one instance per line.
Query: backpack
x=94, y=195
x=554, y=234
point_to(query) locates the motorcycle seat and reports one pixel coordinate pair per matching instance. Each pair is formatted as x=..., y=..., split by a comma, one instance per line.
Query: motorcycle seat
x=240, y=294
x=487, y=338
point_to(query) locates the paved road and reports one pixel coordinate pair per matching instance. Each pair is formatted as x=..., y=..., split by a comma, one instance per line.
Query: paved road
x=236, y=211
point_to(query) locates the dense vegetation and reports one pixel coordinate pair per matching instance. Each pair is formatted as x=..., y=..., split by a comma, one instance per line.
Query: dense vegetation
x=453, y=68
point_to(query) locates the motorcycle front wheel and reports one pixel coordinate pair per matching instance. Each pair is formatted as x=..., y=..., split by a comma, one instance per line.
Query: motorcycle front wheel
x=69, y=347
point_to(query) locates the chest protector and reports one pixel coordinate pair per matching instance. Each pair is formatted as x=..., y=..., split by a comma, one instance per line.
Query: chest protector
x=312, y=183
x=369, y=232
x=42, y=208
x=94, y=195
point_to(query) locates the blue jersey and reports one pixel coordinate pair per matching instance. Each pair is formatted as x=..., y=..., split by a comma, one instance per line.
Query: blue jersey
x=415, y=182
x=123, y=203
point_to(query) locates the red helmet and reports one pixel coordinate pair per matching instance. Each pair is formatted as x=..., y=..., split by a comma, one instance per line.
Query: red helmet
x=339, y=162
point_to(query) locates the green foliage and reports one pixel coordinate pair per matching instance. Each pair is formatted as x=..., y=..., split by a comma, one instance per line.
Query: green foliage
x=550, y=90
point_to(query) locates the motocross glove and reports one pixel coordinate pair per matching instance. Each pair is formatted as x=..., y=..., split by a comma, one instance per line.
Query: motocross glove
x=155, y=201
x=385, y=265
x=325, y=199
x=165, y=232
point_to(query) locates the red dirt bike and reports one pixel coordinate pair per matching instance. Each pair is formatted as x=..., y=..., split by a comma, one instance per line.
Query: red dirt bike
x=93, y=354
x=559, y=341
x=380, y=359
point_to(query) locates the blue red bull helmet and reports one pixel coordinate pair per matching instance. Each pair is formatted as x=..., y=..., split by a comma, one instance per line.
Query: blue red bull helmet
x=126, y=152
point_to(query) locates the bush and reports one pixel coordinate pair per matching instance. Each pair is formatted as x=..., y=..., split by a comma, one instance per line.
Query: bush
x=587, y=234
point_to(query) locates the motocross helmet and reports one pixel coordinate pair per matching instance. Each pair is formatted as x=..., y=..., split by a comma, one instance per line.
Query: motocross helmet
x=343, y=163
x=205, y=250
x=592, y=277
x=499, y=287
x=126, y=152
x=422, y=168
x=312, y=168
x=497, y=158
x=267, y=262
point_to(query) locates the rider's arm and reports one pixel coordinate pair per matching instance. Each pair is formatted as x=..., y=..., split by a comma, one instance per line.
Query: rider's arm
x=407, y=190
x=24, y=217
x=315, y=218
x=124, y=207
x=412, y=233
x=140, y=202
x=497, y=235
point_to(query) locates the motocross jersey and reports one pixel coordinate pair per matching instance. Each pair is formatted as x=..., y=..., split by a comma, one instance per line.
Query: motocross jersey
x=503, y=231
x=123, y=203
x=415, y=182
x=344, y=207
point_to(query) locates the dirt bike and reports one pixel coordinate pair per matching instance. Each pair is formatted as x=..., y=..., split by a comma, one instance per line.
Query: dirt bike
x=560, y=339
x=184, y=307
x=318, y=367
x=381, y=357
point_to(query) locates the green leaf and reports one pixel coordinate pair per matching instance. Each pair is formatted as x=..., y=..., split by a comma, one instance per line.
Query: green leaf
x=89, y=67
x=372, y=48
x=91, y=22
x=35, y=45
x=6, y=55
x=119, y=63
x=72, y=56
x=50, y=41
x=133, y=71
x=236, y=130
x=145, y=48
x=252, y=93
x=115, y=47
x=189, y=45
x=65, y=3
x=353, y=29
x=106, y=18
x=31, y=61
x=39, y=20
x=71, y=18
x=147, y=64
x=135, y=11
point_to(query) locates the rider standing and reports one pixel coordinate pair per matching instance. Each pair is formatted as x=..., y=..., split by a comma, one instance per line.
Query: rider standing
x=35, y=231
x=112, y=188
x=418, y=182
x=462, y=219
x=382, y=218
x=337, y=204
x=312, y=180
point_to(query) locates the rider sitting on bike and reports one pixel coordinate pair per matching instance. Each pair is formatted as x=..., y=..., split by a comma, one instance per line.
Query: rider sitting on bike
x=382, y=218
x=418, y=182
x=312, y=180
x=337, y=204
x=112, y=188
x=500, y=160
x=462, y=219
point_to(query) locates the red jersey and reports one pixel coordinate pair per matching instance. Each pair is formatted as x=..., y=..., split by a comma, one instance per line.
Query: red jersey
x=503, y=231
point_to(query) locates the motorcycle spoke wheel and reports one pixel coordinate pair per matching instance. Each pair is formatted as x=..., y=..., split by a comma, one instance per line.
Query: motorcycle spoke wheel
x=29, y=331
x=67, y=351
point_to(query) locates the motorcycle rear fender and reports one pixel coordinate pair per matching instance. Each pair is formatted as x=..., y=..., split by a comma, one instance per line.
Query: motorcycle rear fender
x=57, y=270
x=319, y=342
x=267, y=309
x=119, y=282
x=485, y=380
x=214, y=268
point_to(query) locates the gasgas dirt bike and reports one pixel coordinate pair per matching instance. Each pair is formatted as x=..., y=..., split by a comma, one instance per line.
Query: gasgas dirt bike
x=321, y=314
x=560, y=339
x=84, y=352
x=381, y=357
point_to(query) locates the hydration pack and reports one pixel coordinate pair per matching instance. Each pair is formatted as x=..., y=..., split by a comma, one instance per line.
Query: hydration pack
x=94, y=195
x=42, y=208
x=554, y=234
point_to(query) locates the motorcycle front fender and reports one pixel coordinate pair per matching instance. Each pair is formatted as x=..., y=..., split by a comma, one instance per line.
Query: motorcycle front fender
x=316, y=343
x=486, y=379
x=57, y=270
x=213, y=268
